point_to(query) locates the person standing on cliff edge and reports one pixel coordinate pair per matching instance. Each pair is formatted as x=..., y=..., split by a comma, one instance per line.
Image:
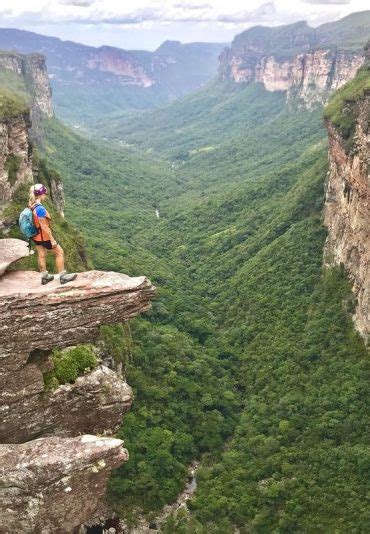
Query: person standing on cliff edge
x=44, y=240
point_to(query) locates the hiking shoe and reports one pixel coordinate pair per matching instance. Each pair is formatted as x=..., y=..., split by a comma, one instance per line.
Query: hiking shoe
x=46, y=278
x=67, y=277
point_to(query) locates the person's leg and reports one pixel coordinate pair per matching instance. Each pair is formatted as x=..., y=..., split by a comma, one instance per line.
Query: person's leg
x=64, y=277
x=41, y=259
x=59, y=258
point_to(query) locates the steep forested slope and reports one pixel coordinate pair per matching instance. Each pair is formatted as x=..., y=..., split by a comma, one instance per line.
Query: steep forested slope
x=250, y=347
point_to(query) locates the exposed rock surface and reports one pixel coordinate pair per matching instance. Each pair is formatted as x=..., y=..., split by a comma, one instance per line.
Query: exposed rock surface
x=310, y=76
x=122, y=64
x=94, y=403
x=42, y=317
x=15, y=157
x=347, y=210
x=54, y=484
x=11, y=250
x=35, y=318
x=308, y=63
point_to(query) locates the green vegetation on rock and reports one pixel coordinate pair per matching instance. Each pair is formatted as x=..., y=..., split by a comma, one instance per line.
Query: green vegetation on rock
x=68, y=364
x=341, y=110
x=11, y=105
x=11, y=165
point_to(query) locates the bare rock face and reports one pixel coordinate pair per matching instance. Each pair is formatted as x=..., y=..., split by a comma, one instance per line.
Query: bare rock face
x=15, y=157
x=35, y=68
x=310, y=76
x=120, y=63
x=34, y=319
x=54, y=484
x=347, y=211
x=32, y=72
x=11, y=250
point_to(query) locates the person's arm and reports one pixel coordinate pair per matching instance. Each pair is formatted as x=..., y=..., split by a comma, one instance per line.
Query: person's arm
x=45, y=231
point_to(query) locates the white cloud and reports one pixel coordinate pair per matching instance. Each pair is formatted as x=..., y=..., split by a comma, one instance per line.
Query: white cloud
x=113, y=12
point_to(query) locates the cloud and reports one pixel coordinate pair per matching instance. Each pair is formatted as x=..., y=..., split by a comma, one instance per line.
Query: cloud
x=154, y=11
x=193, y=7
x=166, y=12
x=78, y=3
x=327, y=2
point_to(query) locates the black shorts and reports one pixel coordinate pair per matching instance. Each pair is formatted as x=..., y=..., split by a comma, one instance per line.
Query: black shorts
x=45, y=244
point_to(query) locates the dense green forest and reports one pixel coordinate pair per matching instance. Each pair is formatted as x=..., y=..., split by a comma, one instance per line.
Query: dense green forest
x=248, y=361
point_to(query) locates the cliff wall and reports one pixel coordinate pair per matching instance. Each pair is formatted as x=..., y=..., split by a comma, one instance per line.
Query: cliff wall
x=347, y=203
x=311, y=76
x=32, y=73
x=308, y=63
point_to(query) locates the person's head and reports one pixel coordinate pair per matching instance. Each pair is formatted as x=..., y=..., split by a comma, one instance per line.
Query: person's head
x=37, y=192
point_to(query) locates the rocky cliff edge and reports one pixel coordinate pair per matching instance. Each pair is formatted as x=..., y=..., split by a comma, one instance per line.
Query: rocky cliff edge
x=54, y=484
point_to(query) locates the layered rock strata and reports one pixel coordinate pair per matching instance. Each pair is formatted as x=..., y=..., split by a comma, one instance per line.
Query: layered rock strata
x=54, y=484
x=347, y=210
x=310, y=76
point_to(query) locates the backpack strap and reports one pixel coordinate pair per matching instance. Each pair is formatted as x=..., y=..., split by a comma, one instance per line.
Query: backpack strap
x=33, y=208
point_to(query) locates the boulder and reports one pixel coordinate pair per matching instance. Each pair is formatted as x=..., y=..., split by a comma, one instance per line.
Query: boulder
x=53, y=484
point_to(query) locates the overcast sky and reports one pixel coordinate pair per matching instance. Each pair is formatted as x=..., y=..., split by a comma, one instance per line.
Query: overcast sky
x=150, y=22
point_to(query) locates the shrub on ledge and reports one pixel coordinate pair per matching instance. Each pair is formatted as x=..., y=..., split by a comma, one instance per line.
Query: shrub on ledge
x=69, y=364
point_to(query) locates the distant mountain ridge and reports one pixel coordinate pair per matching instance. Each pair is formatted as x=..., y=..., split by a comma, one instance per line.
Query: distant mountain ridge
x=90, y=81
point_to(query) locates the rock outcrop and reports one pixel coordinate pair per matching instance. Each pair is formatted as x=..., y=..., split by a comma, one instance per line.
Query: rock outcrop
x=36, y=319
x=11, y=250
x=347, y=208
x=54, y=484
x=295, y=58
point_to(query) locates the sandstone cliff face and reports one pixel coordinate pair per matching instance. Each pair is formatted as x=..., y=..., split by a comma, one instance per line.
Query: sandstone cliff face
x=310, y=76
x=347, y=210
x=54, y=484
x=32, y=71
x=15, y=156
x=122, y=64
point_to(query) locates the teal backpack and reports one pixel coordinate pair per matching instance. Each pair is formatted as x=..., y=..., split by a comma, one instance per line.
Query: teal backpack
x=26, y=224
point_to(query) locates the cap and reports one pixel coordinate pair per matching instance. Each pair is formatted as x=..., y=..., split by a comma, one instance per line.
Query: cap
x=39, y=190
